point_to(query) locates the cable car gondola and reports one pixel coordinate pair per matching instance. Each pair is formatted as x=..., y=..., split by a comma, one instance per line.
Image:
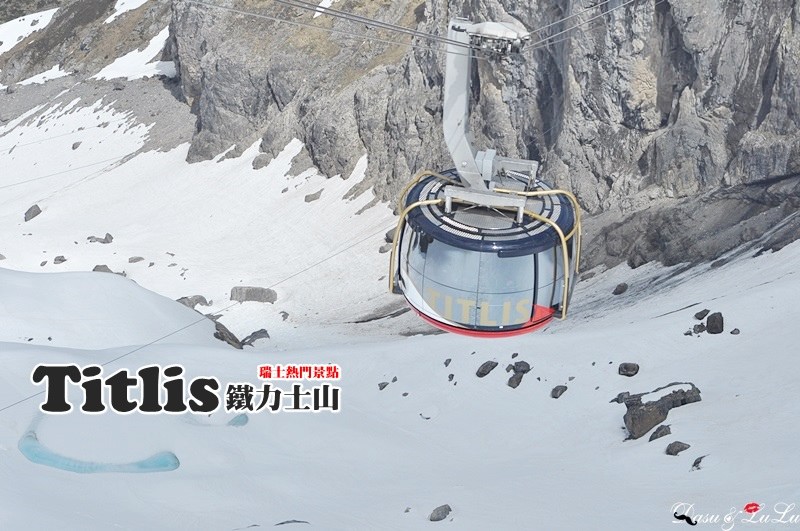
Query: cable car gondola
x=486, y=248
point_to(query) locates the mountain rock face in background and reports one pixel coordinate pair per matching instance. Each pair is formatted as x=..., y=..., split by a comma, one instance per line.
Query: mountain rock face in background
x=677, y=123
x=78, y=40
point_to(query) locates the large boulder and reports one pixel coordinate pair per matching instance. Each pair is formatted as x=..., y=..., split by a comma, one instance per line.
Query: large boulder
x=32, y=212
x=641, y=417
x=714, y=323
x=440, y=513
x=253, y=294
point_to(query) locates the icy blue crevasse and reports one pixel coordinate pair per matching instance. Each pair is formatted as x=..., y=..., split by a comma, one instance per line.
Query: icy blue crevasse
x=36, y=452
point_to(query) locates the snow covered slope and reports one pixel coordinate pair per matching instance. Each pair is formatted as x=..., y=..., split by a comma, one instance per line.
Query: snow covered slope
x=501, y=458
x=13, y=31
x=89, y=311
x=197, y=229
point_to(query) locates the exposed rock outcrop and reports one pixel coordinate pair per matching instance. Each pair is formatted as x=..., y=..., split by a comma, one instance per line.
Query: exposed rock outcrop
x=641, y=417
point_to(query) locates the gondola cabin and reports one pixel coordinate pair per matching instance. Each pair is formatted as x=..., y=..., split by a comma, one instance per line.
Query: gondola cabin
x=487, y=248
x=485, y=270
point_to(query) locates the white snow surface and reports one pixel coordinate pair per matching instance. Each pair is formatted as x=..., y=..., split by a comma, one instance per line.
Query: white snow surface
x=501, y=458
x=123, y=6
x=140, y=63
x=45, y=76
x=13, y=31
x=322, y=6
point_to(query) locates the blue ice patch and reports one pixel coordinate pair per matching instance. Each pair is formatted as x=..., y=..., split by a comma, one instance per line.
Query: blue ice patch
x=239, y=420
x=36, y=452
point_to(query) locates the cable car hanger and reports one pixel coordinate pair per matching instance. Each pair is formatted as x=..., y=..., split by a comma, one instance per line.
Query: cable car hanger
x=486, y=248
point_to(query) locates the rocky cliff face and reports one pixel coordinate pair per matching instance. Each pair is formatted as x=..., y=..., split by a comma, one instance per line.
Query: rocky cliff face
x=639, y=112
x=677, y=123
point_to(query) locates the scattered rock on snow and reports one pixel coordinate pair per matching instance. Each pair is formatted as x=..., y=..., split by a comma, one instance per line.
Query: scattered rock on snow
x=735, y=331
x=223, y=334
x=677, y=447
x=486, y=368
x=450, y=377
x=620, y=289
x=284, y=315
x=313, y=197
x=701, y=315
x=291, y=522
x=558, y=391
x=193, y=301
x=102, y=268
x=522, y=366
x=32, y=212
x=394, y=379
x=699, y=328
x=628, y=369
x=514, y=355
x=76, y=145
x=440, y=513
x=385, y=248
x=255, y=336
x=661, y=431
x=254, y=294
x=714, y=323
x=108, y=238
x=389, y=237
x=134, y=259
x=382, y=386
x=2, y=257
x=696, y=464
x=447, y=362
x=43, y=264
x=59, y=260
x=515, y=379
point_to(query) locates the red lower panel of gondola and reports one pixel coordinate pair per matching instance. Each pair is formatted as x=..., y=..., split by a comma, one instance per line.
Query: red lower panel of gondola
x=541, y=316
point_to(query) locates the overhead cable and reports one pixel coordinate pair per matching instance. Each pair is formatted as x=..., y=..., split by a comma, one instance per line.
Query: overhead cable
x=352, y=17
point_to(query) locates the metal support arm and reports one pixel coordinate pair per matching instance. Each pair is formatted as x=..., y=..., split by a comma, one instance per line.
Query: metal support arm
x=475, y=169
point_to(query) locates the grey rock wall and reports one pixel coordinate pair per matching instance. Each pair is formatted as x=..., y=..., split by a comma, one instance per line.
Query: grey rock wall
x=651, y=105
x=676, y=122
